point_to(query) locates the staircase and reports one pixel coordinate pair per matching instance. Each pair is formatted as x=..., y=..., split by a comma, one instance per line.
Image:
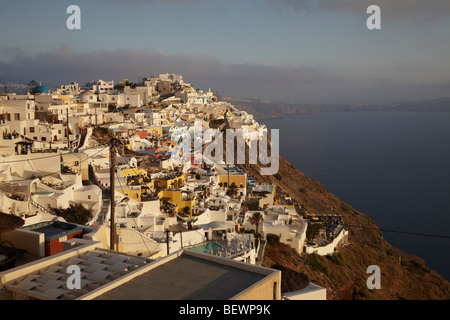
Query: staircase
x=37, y=205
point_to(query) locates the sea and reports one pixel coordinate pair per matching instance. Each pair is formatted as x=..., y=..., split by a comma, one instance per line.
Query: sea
x=392, y=166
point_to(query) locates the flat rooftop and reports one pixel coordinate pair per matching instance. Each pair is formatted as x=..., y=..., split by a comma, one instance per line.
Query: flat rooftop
x=186, y=278
x=111, y=275
x=47, y=277
x=53, y=229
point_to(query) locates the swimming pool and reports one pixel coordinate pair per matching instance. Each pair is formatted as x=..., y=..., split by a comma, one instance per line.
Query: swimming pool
x=206, y=247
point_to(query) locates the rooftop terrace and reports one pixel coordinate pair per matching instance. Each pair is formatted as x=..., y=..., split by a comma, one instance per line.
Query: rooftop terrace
x=53, y=229
x=186, y=278
x=109, y=275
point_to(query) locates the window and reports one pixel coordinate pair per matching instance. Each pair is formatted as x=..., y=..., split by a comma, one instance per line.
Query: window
x=31, y=129
x=89, y=197
x=16, y=116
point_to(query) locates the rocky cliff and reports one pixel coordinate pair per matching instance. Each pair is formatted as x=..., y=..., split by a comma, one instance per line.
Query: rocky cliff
x=403, y=276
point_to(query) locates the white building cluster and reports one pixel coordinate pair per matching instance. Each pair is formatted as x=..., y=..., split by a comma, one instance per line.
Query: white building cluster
x=49, y=158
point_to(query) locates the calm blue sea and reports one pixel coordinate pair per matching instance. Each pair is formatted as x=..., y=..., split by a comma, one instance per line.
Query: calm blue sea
x=392, y=166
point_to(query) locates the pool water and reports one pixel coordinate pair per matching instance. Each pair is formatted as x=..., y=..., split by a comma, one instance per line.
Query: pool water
x=206, y=247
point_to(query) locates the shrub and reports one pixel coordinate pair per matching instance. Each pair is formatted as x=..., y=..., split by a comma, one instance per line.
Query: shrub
x=75, y=213
x=272, y=238
x=345, y=207
x=252, y=206
x=316, y=265
x=333, y=258
x=103, y=130
x=187, y=210
x=312, y=230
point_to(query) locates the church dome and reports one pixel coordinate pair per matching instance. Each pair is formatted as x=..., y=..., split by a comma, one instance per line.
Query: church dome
x=41, y=89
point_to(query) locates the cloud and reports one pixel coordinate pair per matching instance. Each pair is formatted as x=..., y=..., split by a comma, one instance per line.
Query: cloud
x=417, y=11
x=245, y=80
x=411, y=10
x=170, y=2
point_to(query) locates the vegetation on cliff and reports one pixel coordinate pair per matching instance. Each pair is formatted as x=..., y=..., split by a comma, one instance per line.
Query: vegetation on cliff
x=343, y=274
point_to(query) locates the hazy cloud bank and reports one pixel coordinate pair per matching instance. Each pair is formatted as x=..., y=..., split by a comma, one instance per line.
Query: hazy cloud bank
x=247, y=80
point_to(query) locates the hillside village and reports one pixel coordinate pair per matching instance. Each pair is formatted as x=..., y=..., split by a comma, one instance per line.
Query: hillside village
x=107, y=148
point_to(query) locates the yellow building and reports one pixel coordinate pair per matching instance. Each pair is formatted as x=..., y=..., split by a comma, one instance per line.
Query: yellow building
x=134, y=181
x=168, y=183
x=155, y=132
x=285, y=201
x=176, y=197
x=65, y=99
x=133, y=192
x=133, y=172
x=239, y=181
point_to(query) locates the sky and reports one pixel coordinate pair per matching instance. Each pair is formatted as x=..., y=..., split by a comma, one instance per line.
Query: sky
x=301, y=51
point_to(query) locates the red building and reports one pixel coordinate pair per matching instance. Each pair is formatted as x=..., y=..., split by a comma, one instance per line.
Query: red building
x=142, y=134
x=56, y=232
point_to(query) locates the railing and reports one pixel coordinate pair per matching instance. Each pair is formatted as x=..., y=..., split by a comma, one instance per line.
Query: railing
x=40, y=207
x=232, y=248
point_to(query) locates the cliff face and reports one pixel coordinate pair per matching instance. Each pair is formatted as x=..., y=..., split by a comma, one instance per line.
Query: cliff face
x=403, y=276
